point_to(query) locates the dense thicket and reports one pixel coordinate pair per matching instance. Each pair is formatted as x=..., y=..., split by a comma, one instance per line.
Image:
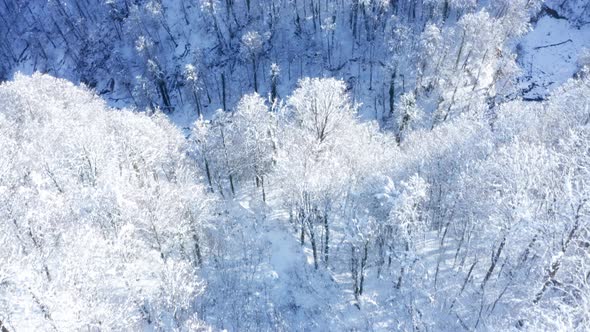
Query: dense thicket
x=198, y=56
x=481, y=222
x=103, y=218
x=352, y=165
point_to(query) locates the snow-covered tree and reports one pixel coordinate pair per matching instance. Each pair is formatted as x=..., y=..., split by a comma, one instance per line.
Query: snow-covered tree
x=102, y=214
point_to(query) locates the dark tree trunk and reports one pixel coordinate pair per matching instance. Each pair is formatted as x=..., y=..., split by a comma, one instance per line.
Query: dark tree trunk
x=165, y=97
x=254, y=74
x=2, y=327
x=312, y=240
x=326, y=239
x=223, y=97
x=363, y=265
x=550, y=279
x=208, y=172
x=495, y=258
x=392, y=94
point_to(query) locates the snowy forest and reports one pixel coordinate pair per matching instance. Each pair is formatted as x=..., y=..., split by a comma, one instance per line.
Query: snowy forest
x=294, y=165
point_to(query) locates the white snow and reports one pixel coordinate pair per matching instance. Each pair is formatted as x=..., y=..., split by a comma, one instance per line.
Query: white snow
x=549, y=54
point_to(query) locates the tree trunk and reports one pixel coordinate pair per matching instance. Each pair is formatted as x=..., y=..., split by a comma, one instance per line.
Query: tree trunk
x=363, y=265
x=302, y=236
x=208, y=172
x=3, y=327
x=326, y=239
x=495, y=258
x=557, y=263
x=354, y=271
x=254, y=73
x=198, y=250
x=223, y=97
x=262, y=187
x=231, y=184
x=312, y=240
x=165, y=97
x=392, y=93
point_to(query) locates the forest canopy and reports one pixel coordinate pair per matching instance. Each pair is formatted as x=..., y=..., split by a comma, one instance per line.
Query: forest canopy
x=310, y=165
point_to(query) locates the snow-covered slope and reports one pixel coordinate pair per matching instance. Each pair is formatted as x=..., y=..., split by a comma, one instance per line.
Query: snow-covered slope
x=550, y=53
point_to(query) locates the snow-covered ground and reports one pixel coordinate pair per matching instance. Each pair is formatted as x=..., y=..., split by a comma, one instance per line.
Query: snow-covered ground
x=548, y=55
